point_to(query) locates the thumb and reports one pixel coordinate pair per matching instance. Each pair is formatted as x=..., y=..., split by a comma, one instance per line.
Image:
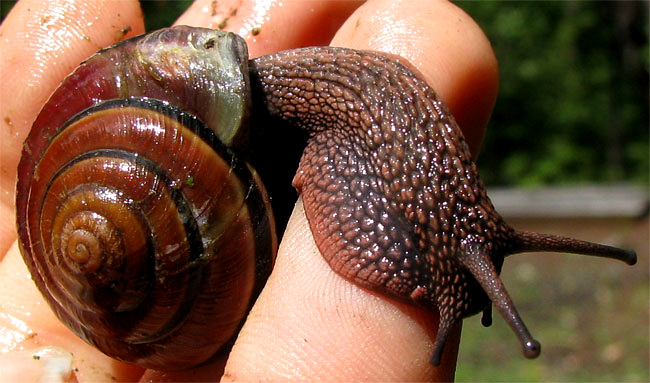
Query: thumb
x=309, y=323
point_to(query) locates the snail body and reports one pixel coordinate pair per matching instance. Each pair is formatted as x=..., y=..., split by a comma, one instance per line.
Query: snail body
x=392, y=196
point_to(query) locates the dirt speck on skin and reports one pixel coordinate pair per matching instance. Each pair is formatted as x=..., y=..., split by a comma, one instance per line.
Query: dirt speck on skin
x=256, y=31
x=10, y=124
x=122, y=32
x=223, y=23
x=125, y=30
x=213, y=8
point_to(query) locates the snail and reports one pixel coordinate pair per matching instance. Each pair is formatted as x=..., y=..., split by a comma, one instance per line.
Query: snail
x=148, y=230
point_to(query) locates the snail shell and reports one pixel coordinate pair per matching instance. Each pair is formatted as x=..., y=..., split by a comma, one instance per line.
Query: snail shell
x=147, y=234
x=391, y=194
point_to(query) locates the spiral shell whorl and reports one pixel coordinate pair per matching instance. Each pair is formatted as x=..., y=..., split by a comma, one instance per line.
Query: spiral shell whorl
x=129, y=206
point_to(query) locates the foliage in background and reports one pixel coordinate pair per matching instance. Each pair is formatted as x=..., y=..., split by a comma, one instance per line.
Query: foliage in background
x=162, y=13
x=5, y=7
x=573, y=98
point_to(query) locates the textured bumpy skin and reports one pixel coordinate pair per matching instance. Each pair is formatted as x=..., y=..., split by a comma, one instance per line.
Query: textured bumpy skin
x=391, y=193
x=389, y=187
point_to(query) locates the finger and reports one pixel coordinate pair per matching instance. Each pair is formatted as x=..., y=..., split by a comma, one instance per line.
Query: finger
x=271, y=26
x=28, y=327
x=308, y=322
x=41, y=43
x=448, y=48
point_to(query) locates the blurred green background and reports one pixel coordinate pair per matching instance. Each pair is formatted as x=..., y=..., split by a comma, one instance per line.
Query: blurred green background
x=573, y=108
x=573, y=98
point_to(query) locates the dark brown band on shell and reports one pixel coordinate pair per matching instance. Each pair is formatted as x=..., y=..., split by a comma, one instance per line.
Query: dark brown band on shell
x=124, y=304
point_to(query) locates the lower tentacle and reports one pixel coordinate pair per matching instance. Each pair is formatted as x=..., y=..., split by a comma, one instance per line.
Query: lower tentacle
x=444, y=328
x=477, y=262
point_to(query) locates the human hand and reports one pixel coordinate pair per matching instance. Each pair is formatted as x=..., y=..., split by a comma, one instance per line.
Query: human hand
x=308, y=323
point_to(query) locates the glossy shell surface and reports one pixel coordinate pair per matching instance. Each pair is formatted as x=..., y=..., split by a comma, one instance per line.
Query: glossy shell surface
x=140, y=223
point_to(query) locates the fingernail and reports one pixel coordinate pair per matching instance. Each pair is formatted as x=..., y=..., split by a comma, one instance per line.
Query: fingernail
x=55, y=363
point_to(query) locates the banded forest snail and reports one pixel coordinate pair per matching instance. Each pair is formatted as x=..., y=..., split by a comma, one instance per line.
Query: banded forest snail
x=155, y=257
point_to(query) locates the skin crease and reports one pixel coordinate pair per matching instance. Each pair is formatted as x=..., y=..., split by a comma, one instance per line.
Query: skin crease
x=304, y=326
